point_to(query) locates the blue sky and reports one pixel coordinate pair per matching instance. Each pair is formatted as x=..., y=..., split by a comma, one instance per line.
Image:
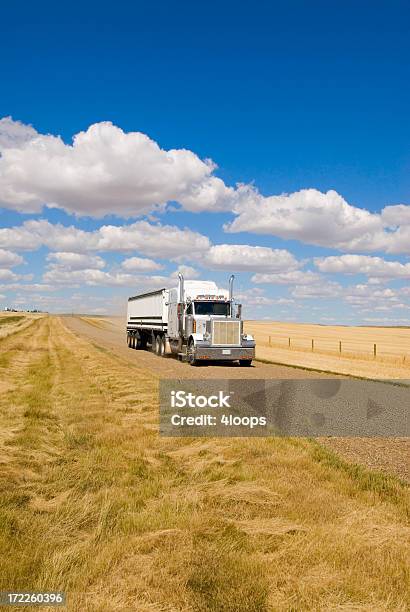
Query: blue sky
x=303, y=105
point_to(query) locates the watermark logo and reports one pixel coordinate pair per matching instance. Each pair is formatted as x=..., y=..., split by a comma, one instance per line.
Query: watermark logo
x=183, y=399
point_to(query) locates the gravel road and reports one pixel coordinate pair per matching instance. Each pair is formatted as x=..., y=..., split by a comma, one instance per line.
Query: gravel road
x=390, y=455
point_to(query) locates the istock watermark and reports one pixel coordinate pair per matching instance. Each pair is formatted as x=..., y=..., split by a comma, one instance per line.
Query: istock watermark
x=181, y=399
x=322, y=407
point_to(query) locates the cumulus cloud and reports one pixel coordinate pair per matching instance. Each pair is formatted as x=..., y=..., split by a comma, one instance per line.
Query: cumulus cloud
x=28, y=287
x=104, y=171
x=319, y=290
x=93, y=277
x=140, y=264
x=243, y=257
x=76, y=261
x=14, y=133
x=188, y=271
x=367, y=295
x=323, y=219
x=9, y=259
x=295, y=277
x=8, y=275
x=108, y=171
x=375, y=267
x=397, y=215
x=153, y=240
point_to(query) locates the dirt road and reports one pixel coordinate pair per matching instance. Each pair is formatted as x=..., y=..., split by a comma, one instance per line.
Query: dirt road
x=385, y=454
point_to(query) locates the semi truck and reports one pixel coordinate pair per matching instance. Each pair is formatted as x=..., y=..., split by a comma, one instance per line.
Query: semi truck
x=196, y=321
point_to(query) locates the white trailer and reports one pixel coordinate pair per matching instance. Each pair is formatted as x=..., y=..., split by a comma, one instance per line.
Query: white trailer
x=196, y=320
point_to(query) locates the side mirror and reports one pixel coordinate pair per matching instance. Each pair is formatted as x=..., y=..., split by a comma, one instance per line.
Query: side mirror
x=239, y=311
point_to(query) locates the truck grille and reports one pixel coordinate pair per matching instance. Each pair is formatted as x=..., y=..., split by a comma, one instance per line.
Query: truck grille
x=226, y=332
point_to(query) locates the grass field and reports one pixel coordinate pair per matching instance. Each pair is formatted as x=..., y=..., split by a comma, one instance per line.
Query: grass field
x=94, y=502
x=348, y=350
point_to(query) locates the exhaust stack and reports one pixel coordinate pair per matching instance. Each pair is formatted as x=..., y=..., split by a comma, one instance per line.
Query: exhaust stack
x=231, y=279
x=180, y=307
x=180, y=287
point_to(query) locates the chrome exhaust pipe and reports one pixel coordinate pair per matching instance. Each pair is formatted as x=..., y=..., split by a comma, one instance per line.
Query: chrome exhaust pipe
x=180, y=307
x=231, y=279
x=180, y=287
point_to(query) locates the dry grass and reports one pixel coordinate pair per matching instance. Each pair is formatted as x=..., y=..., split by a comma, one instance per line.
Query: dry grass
x=93, y=502
x=10, y=322
x=357, y=358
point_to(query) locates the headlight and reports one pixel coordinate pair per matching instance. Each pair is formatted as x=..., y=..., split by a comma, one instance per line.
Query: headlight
x=247, y=337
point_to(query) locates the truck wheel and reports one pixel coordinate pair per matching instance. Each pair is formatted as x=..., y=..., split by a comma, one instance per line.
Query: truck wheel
x=163, y=342
x=132, y=342
x=245, y=362
x=129, y=341
x=143, y=342
x=191, y=354
x=158, y=345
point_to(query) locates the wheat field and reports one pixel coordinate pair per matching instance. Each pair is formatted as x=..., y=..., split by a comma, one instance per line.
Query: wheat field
x=93, y=502
x=347, y=350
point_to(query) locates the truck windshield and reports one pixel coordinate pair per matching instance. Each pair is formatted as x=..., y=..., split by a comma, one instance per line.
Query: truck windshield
x=212, y=308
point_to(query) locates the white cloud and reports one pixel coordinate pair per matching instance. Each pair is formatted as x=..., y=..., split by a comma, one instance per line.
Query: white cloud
x=154, y=240
x=28, y=287
x=322, y=219
x=107, y=171
x=369, y=295
x=288, y=278
x=8, y=275
x=243, y=257
x=9, y=259
x=396, y=215
x=104, y=171
x=140, y=264
x=188, y=271
x=319, y=290
x=375, y=267
x=76, y=261
x=14, y=133
x=93, y=277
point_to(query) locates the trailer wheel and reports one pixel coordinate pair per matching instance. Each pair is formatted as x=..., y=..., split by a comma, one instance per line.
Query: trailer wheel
x=128, y=340
x=245, y=363
x=158, y=345
x=143, y=341
x=163, y=343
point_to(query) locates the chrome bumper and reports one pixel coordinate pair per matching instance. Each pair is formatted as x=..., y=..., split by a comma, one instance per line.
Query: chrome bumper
x=221, y=353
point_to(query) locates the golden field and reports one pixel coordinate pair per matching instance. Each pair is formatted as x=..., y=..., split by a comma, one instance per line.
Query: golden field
x=95, y=503
x=357, y=345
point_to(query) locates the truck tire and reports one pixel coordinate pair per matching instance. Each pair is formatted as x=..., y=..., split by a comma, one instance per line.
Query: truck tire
x=128, y=340
x=191, y=353
x=163, y=343
x=159, y=345
x=143, y=341
x=245, y=363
